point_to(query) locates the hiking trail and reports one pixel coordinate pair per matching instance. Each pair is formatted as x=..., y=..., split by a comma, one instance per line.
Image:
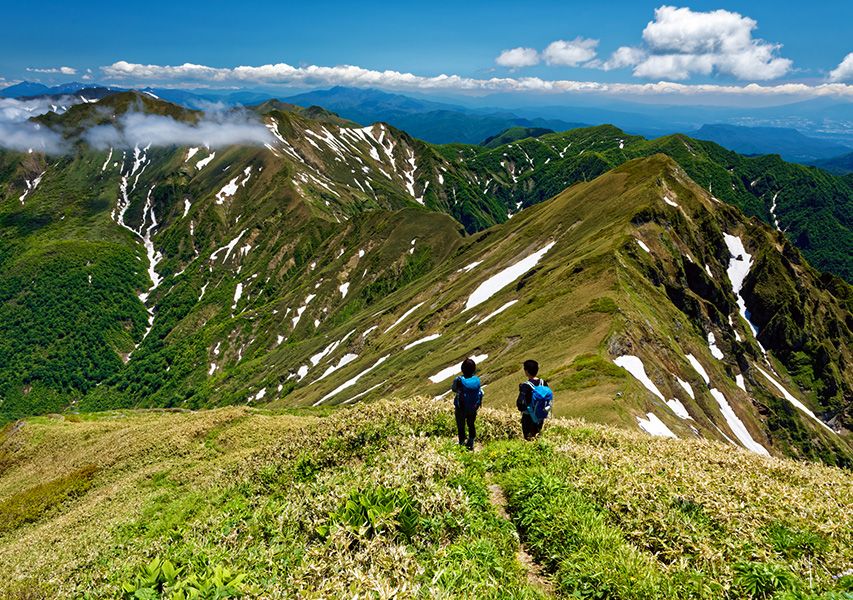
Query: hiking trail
x=536, y=576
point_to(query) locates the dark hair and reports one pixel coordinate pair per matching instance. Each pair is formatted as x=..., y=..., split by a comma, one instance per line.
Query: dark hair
x=469, y=367
x=531, y=367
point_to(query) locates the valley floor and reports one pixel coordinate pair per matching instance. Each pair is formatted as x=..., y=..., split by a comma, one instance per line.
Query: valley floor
x=378, y=501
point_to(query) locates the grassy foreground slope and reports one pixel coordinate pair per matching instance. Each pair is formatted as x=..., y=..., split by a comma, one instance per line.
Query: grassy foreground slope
x=377, y=501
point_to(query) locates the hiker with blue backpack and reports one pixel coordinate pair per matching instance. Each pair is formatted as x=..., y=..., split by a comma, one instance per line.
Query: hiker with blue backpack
x=469, y=397
x=534, y=401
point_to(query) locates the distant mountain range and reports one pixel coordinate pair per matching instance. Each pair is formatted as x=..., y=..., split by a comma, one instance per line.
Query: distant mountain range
x=752, y=132
x=337, y=261
x=433, y=122
x=790, y=144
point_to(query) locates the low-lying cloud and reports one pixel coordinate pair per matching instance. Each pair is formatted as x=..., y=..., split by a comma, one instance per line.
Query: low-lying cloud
x=215, y=128
x=18, y=133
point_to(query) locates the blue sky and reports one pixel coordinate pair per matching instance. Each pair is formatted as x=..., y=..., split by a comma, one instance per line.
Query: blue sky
x=759, y=41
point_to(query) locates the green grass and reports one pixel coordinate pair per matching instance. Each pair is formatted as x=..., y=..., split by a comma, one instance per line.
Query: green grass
x=379, y=500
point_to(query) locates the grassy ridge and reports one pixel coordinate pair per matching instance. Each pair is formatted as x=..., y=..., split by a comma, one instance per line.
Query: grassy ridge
x=378, y=501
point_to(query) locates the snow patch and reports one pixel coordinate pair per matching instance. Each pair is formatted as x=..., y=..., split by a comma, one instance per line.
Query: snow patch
x=678, y=408
x=497, y=312
x=687, y=387
x=351, y=382
x=403, y=317
x=715, y=350
x=642, y=245
x=654, y=426
x=205, y=161
x=423, y=340
x=790, y=398
x=452, y=370
x=497, y=282
x=635, y=367
x=697, y=366
x=468, y=268
x=736, y=425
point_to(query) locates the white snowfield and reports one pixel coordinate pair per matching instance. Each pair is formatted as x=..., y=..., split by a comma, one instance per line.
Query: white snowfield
x=497, y=282
x=404, y=316
x=654, y=426
x=497, y=312
x=229, y=247
x=365, y=392
x=351, y=382
x=344, y=288
x=635, y=367
x=715, y=350
x=687, y=387
x=642, y=245
x=697, y=366
x=670, y=201
x=423, y=340
x=739, y=265
x=238, y=292
x=790, y=398
x=205, y=161
x=452, y=370
x=344, y=361
x=678, y=408
x=736, y=425
x=468, y=268
x=739, y=381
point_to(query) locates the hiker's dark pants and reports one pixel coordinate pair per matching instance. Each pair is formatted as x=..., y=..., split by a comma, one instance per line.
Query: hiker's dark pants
x=464, y=418
x=529, y=428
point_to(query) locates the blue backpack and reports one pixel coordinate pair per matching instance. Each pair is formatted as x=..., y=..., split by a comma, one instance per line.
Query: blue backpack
x=469, y=394
x=541, y=399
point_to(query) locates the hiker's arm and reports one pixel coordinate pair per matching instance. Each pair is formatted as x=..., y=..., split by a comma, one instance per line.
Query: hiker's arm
x=521, y=401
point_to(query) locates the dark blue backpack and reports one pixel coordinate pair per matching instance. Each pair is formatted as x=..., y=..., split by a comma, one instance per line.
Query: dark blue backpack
x=541, y=399
x=469, y=395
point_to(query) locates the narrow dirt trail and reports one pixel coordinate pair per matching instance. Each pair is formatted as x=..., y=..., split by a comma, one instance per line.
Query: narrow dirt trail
x=535, y=574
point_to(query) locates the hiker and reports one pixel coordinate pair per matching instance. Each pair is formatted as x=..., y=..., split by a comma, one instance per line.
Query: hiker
x=469, y=397
x=534, y=400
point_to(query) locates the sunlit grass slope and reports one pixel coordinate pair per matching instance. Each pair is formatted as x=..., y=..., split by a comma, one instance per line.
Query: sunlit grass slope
x=378, y=501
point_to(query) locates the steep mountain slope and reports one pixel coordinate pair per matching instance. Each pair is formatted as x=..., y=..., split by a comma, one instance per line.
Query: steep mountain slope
x=811, y=206
x=310, y=271
x=379, y=501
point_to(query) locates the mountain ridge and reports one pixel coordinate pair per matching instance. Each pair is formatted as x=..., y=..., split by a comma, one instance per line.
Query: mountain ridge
x=270, y=265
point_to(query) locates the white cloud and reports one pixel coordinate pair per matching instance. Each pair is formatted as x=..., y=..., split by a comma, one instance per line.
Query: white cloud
x=54, y=70
x=18, y=133
x=624, y=56
x=844, y=71
x=680, y=42
x=570, y=53
x=213, y=130
x=348, y=75
x=518, y=57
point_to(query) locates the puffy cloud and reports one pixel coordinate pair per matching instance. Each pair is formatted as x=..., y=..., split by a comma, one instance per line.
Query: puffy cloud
x=570, y=53
x=214, y=130
x=625, y=56
x=348, y=75
x=680, y=42
x=54, y=70
x=844, y=71
x=518, y=57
